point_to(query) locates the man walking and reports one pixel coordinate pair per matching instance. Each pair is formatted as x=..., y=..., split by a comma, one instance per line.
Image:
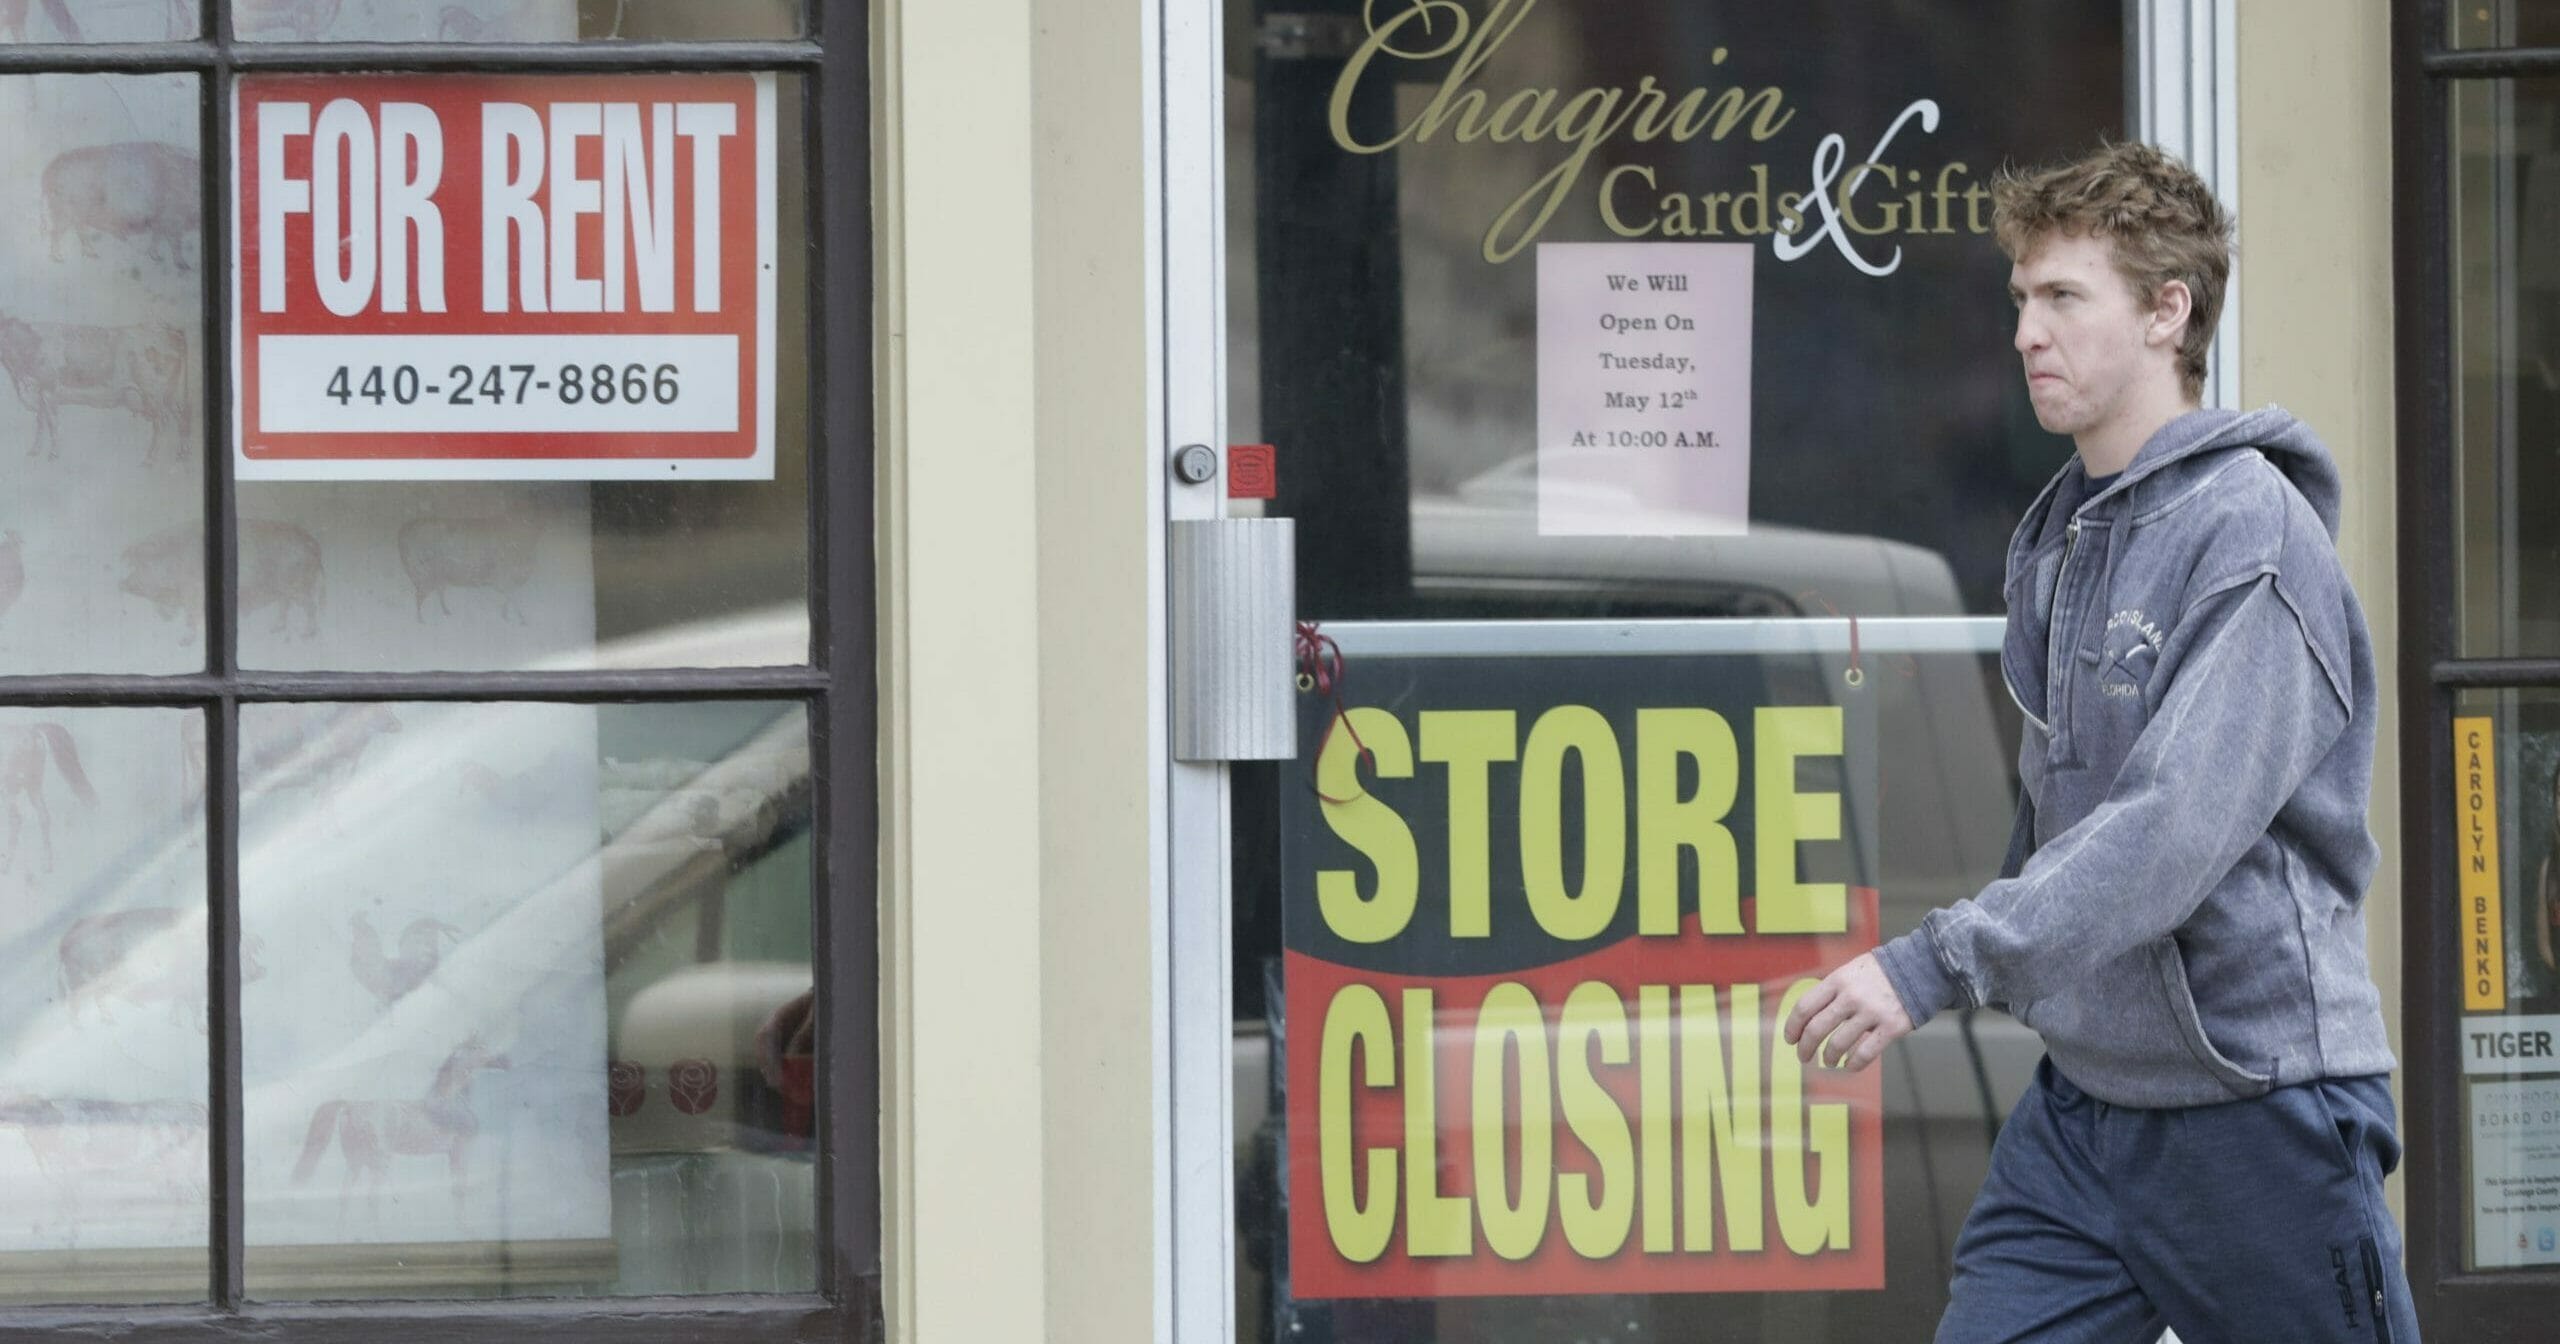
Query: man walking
x=2180, y=915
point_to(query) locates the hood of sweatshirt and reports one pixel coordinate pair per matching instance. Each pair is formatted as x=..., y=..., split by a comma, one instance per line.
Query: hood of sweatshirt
x=2189, y=446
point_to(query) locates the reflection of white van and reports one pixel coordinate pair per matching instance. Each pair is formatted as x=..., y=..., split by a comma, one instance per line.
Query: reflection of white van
x=1946, y=796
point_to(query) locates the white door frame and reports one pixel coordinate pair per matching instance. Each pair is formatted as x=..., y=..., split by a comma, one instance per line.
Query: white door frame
x=2182, y=82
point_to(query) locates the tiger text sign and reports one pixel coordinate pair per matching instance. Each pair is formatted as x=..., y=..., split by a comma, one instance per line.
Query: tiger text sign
x=446, y=277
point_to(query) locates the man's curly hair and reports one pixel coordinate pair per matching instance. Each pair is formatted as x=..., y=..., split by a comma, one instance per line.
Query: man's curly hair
x=2162, y=218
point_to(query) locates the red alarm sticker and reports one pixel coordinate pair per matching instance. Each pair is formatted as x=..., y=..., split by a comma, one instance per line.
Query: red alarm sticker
x=1253, y=471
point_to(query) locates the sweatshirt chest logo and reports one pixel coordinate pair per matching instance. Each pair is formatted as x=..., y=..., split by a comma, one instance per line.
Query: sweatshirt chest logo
x=2130, y=650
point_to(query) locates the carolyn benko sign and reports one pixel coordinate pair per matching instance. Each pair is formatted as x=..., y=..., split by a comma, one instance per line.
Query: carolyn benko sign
x=474, y=277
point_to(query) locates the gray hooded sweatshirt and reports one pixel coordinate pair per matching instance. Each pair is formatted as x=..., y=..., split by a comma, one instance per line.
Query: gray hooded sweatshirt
x=2181, y=916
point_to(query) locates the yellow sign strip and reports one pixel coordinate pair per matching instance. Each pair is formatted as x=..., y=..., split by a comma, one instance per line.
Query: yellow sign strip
x=2484, y=925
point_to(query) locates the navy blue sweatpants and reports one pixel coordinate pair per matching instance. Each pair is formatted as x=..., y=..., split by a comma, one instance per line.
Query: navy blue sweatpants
x=2246, y=1222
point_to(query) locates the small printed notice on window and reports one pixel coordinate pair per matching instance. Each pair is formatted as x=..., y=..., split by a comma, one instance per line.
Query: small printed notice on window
x=1644, y=389
x=2515, y=1174
x=479, y=277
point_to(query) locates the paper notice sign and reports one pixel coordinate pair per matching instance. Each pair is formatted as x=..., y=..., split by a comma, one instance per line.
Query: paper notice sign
x=1644, y=389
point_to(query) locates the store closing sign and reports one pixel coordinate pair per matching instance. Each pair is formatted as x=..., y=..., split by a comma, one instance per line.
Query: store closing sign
x=469, y=277
x=1542, y=920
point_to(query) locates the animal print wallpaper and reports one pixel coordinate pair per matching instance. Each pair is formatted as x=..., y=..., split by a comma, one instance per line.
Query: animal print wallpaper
x=425, y=1037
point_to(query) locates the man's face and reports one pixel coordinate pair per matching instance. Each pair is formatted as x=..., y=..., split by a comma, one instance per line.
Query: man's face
x=2081, y=333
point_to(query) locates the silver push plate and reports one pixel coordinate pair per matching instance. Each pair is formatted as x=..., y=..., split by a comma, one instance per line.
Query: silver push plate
x=1234, y=589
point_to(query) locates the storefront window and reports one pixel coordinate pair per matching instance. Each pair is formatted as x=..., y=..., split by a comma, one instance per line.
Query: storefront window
x=418, y=874
x=101, y=377
x=465, y=1082
x=89, y=21
x=2506, y=747
x=2480, y=391
x=2506, y=211
x=412, y=575
x=514, y=20
x=1677, y=331
x=102, y=1060
x=2503, y=23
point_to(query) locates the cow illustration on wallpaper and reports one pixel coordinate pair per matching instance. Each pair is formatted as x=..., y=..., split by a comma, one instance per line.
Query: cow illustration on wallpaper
x=457, y=24
x=82, y=1144
x=13, y=568
x=280, y=572
x=129, y=957
x=391, y=978
x=141, y=370
x=142, y=192
x=25, y=751
x=369, y=1134
x=442, y=554
x=13, y=19
x=299, y=20
x=528, y=792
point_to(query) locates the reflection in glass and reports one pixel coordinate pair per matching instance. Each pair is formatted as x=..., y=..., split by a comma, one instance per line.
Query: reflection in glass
x=2507, y=750
x=101, y=373
x=1371, y=335
x=92, y=21
x=2506, y=293
x=2503, y=23
x=410, y=576
x=511, y=20
x=543, y=1034
x=1375, y=334
x=103, y=1126
x=1946, y=736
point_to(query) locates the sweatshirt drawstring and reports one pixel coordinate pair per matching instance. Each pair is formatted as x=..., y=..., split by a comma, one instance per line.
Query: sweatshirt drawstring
x=2116, y=528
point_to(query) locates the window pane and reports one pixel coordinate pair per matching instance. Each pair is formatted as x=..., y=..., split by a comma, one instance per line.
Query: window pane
x=1861, y=427
x=103, y=1159
x=2506, y=206
x=2504, y=23
x=101, y=375
x=2507, y=806
x=1840, y=461
x=511, y=20
x=92, y=21
x=540, y=1034
x=475, y=575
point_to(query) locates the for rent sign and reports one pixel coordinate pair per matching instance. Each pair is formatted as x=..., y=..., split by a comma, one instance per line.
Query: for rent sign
x=504, y=277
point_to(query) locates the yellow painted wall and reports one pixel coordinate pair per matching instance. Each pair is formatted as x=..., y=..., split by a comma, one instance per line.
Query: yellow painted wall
x=1015, y=520
x=2315, y=313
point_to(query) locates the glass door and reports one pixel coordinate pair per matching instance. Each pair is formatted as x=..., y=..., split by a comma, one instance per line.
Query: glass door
x=1637, y=378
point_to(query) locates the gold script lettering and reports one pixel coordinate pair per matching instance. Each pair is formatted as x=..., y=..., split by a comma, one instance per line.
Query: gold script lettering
x=1587, y=120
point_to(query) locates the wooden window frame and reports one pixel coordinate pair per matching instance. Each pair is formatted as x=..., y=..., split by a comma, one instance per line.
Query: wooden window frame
x=2453, y=1303
x=838, y=690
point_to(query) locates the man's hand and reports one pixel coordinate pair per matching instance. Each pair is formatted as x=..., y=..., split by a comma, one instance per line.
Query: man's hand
x=1855, y=1010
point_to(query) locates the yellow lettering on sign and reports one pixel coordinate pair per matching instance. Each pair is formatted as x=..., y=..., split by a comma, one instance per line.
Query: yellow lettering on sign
x=1789, y=817
x=1469, y=741
x=1435, y=1224
x=1515, y=1221
x=1367, y=825
x=1723, y=1130
x=2484, y=926
x=1595, y=1228
x=1809, y=1151
x=1571, y=913
x=1360, y=1223
x=1667, y=823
